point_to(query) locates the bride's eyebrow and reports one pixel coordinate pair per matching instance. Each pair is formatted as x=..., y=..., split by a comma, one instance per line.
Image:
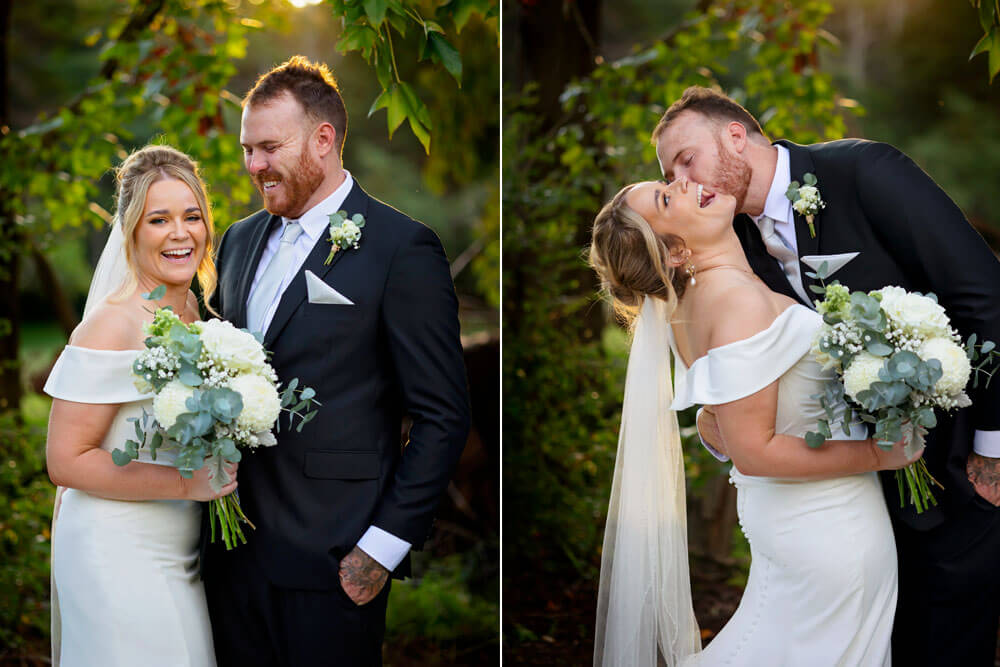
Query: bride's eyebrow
x=656, y=199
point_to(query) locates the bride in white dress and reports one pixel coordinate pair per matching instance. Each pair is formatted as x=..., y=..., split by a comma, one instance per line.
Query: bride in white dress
x=125, y=587
x=822, y=584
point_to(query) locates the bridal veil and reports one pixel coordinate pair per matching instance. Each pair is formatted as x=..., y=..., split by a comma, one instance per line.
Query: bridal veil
x=645, y=615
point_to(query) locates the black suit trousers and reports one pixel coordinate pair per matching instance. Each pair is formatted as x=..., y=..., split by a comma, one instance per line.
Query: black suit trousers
x=258, y=624
x=949, y=590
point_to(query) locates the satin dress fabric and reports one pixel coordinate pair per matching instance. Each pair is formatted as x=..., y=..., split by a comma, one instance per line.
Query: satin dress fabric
x=125, y=586
x=822, y=586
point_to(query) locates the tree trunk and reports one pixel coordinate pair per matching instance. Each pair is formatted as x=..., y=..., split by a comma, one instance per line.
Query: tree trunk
x=10, y=245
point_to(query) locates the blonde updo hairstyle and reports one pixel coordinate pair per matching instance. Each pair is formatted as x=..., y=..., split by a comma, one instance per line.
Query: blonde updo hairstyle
x=134, y=177
x=632, y=260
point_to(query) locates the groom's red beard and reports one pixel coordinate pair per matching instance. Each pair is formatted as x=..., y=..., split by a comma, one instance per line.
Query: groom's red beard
x=296, y=188
x=732, y=176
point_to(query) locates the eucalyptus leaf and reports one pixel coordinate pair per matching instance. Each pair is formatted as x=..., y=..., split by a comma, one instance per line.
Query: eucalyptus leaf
x=156, y=294
x=120, y=458
x=814, y=440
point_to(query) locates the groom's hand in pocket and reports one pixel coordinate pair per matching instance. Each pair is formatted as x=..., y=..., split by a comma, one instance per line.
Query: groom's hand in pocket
x=984, y=473
x=361, y=576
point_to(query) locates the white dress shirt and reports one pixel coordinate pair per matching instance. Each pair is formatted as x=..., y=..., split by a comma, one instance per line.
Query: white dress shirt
x=381, y=545
x=778, y=206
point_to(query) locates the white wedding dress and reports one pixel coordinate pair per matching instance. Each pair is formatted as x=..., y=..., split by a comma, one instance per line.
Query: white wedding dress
x=822, y=584
x=125, y=586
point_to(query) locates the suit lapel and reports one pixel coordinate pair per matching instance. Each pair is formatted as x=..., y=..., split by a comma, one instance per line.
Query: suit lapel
x=258, y=241
x=800, y=164
x=296, y=292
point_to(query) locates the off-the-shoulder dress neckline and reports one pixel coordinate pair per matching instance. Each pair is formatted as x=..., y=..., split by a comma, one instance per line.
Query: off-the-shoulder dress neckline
x=743, y=341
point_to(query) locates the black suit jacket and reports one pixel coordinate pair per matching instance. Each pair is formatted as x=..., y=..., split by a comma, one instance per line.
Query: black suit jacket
x=910, y=234
x=396, y=351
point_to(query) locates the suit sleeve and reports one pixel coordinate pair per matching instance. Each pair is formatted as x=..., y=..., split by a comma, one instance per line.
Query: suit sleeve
x=420, y=315
x=938, y=248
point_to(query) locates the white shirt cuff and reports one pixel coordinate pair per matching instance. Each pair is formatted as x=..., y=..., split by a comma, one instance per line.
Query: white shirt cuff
x=384, y=547
x=987, y=443
x=711, y=450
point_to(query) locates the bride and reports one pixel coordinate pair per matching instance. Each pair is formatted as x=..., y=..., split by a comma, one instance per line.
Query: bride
x=822, y=584
x=125, y=589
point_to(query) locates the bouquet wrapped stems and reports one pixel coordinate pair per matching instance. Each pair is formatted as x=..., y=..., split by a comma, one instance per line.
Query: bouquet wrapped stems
x=229, y=514
x=916, y=479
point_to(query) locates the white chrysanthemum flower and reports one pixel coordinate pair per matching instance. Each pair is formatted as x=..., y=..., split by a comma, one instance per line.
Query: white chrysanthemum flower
x=231, y=348
x=862, y=372
x=261, y=403
x=170, y=402
x=913, y=312
x=955, y=365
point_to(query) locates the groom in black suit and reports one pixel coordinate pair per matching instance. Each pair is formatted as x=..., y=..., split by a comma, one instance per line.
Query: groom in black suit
x=885, y=223
x=375, y=332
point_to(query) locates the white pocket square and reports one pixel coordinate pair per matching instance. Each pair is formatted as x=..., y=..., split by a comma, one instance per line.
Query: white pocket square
x=320, y=292
x=834, y=263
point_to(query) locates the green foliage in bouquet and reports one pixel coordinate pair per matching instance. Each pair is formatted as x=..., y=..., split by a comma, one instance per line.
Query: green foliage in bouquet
x=893, y=389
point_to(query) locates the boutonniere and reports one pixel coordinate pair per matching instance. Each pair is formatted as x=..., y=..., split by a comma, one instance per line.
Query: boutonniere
x=344, y=232
x=806, y=200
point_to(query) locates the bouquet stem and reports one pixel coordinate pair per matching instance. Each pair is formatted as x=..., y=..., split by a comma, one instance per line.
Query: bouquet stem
x=916, y=479
x=230, y=515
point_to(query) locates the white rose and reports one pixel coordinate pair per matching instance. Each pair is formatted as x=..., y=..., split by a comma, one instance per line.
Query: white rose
x=350, y=229
x=918, y=314
x=862, y=372
x=261, y=403
x=170, y=402
x=955, y=365
x=802, y=206
x=231, y=348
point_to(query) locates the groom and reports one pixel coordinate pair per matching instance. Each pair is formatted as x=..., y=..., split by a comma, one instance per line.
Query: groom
x=885, y=223
x=374, y=330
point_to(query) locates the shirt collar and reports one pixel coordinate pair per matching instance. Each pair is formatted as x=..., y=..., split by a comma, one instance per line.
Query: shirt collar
x=777, y=206
x=316, y=220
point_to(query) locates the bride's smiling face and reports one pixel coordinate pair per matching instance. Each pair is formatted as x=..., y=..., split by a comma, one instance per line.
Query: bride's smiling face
x=170, y=236
x=684, y=209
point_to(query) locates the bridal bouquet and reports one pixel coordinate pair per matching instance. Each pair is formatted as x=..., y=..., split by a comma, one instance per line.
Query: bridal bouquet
x=214, y=393
x=897, y=358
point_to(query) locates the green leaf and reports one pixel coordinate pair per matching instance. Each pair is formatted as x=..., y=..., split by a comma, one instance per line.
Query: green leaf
x=381, y=102
x=307, y=393
x=396, y=109
x=816, y=289
x=156, y=294
x=810, y=179
x=305, y=420
x=447, y=55
x=986, y=14
x=983, y=44
x=189, y=375
x=120, y=458
x=375, y=9
x=224, y=404
x=903, y=364
x=994, y=54
x=155, y=443
x=814, y=440
x=987, y=347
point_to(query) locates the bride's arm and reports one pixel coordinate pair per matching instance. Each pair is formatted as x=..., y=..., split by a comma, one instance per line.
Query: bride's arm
x=747, y=429
x=73, y=453
x=75, y=459
x=747, y=425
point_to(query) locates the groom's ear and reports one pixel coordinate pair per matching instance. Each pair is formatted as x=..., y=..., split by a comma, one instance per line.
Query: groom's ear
x=736, y=133
x=326, y=139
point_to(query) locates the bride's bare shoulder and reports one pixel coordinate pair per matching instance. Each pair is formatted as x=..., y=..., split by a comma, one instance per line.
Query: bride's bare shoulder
x=110, y=326
x=737, y=311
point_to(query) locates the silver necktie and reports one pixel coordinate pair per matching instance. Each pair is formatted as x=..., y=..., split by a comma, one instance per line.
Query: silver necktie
x=787, y=257
x=270, y=281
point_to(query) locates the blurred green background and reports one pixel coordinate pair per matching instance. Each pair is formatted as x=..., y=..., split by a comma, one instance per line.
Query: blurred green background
x=89, y=80
x=584, y=83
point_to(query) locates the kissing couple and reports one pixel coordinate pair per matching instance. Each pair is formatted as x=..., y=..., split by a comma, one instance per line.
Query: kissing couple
x=705, y=266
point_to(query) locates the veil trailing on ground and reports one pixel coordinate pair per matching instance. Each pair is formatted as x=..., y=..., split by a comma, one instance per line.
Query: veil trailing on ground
x=644, y=603
x=111, y=271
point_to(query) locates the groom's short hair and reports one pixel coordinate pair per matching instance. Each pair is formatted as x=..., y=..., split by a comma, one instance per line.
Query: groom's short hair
x=712, y=105
x=312, y=85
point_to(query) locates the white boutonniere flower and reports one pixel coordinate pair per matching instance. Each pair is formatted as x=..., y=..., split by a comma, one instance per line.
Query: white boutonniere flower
x=806, y=200
x=344, y=232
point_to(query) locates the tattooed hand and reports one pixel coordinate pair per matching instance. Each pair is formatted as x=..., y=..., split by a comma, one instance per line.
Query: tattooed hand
x=984, y=473
x=361, y=576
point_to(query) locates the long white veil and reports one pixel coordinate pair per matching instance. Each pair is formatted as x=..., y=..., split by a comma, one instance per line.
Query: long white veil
x=111, y=270
x=644, y=612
